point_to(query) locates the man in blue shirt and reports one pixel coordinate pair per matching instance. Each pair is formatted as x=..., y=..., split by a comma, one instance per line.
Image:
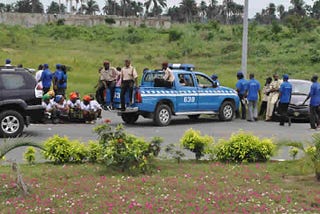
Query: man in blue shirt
x=253, y=93
x=241, y=87
x=314, y=94
x=46, y=78
x=284, y=99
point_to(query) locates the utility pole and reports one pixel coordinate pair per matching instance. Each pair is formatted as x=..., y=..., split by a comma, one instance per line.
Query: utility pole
x=245, y=39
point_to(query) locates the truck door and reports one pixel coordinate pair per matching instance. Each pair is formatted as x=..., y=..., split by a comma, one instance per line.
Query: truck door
x=208, y=99
x=187, y=95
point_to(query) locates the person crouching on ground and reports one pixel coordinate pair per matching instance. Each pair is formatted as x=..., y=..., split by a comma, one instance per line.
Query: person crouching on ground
x=48, y=105
x=61, y=108
x=95, y=106
x=74, y=105
x=87, y=111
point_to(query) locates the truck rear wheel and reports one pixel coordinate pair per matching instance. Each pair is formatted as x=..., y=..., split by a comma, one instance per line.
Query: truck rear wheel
x=11, y=123
x=130, y=118
x=162, y=116
x=226, y=111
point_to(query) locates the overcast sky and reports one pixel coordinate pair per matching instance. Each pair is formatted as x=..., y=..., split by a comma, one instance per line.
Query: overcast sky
x=254, y=5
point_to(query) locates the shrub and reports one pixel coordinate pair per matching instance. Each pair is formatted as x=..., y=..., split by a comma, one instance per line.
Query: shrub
x=193, y=141
x=58, y=149
x=174, y=35
x=95, y=152
x=174, y=152
x=109, y=21
x=79, y=152
x=244, y=147
x=124, y=151
x=29, y=155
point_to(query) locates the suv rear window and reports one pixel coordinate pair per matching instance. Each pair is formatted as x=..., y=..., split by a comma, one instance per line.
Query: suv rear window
x=13, y=81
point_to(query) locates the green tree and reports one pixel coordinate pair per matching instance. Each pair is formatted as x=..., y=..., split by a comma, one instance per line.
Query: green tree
x=298, y=8
x=189, y=9
x=90, y=8
x=155, y=4
x=281, y=11
x=316, y=10
x=54, y=8
x=28, y=6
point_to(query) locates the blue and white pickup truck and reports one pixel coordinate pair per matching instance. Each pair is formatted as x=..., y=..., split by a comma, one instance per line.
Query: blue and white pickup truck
x=192, y=94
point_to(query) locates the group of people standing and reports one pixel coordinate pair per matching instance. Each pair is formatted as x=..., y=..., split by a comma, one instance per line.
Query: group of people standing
x=275, y=90
x=110, y=77
x=57, y=79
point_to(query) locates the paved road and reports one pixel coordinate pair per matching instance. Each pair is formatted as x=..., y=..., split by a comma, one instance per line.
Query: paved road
x=171, y=133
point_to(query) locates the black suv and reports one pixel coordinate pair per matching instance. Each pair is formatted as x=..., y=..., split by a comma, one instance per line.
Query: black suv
x=20, y=101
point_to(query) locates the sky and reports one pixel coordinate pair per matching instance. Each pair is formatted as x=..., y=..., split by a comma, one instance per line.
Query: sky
x=254, y=5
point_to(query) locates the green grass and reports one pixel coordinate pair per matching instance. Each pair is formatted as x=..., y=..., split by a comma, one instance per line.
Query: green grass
x=189, y=187
x=211, y=50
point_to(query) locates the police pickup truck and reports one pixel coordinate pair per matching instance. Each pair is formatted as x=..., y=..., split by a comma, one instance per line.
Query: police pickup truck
x=192, y=94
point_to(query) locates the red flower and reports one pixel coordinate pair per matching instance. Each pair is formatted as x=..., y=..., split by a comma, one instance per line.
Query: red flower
x=107, y=121
x=120, y=140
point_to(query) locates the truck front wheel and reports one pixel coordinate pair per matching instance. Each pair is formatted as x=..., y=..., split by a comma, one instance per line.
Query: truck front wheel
x=162, y=116
x=11, y=123
x=130, y=118
x=226, y=111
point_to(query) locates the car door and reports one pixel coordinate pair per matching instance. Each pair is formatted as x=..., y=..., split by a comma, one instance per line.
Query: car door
x=187, y=96
x=208, y=96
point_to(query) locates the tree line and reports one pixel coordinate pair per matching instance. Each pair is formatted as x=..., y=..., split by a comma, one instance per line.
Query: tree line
x=229, y=12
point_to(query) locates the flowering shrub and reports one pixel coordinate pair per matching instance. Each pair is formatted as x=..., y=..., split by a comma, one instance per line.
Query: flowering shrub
x=126, y=151
x=244, y=147
x=193, y=141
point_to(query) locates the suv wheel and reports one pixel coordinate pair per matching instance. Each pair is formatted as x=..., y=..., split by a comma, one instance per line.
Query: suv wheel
x=11, y=123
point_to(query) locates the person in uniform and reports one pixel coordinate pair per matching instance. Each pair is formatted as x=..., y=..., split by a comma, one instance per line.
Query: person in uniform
x=46, y=78
x=285, y=91
x=8, y=63
x=314, y=94
x=241, y=87
x=216, y=82
x=273, y=96
x=108, y=78
x=129, y=79
x=253, y=93
x=265, y=95
x=168, y=75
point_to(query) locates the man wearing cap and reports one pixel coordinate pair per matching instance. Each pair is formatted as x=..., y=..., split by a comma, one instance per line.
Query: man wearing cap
x=216, y=82
x=273, y=96
x=108, y=78
x=7, y=62
x=129, y=79
x=285, y=91
x=46, y=78
x=314, y=94
x=168, y=75
x=241, y=87
x=253, y=93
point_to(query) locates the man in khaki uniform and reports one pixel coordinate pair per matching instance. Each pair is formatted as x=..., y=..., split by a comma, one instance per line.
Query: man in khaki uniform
x=129, y=79
x=168, y=75
x=273, y=96
x=108, y=77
